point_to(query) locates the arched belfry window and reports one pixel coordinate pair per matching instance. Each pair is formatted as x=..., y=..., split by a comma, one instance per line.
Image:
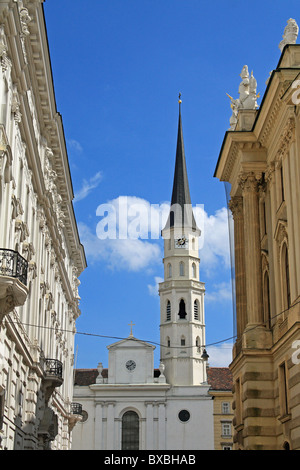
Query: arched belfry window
x=181, y=268
x=168, y=311
x=196, y=310
x=130, y=431
x=182, y=312
x=194, y=269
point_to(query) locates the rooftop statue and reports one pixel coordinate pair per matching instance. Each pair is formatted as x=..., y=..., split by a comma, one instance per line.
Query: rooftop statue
x=247, y=96
x=290, y=34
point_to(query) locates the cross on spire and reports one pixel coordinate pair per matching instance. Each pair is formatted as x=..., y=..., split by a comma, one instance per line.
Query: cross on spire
x=131, y=325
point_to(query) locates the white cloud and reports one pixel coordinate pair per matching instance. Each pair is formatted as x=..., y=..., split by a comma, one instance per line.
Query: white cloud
x=221, y=292
x=128, y=227
x=214, y=240
x=153, y=289
x=220, y=356
x=88, y=186
x=132, y=255
x=131, y=217
x=74, y=144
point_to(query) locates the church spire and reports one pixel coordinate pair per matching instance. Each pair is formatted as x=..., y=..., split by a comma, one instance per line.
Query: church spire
x=181, y=213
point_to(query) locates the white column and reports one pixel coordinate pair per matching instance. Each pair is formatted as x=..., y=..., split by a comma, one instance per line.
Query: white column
x=110, y=426
x=98, y=438
x=149, y=426
x=162, y=426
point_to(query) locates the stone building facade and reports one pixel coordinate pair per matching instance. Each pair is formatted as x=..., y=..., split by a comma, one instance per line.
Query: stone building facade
x=220, y=380
x=260, y=158
x=40, y=252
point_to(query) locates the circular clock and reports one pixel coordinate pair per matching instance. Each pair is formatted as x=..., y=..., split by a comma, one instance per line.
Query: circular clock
x=130, y=365
x=181, y=242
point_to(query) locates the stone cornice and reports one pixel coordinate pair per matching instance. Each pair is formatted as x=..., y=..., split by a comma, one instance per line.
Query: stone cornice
x=27, y=49
x=267, y=124
x=286, y=138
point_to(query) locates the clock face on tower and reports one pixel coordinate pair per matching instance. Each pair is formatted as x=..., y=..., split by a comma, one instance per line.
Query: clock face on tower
x=182, y=242
x=130, y=365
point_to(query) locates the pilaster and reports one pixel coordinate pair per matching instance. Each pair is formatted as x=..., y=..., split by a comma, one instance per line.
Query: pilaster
x=255, y=335
x=236, y=207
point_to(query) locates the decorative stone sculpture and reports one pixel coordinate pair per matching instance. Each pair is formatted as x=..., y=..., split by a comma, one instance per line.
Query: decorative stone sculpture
x=162, y=377
x=99, y=379
x=247, y=96
x=290, y=34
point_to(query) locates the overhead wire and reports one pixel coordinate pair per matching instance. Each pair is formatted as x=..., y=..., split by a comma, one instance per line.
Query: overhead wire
x=132, y=338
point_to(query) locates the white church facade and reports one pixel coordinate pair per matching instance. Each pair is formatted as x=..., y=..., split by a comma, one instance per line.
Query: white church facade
x=131, y=405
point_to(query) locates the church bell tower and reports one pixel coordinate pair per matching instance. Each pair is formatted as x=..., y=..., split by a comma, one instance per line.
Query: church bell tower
x=182, y=327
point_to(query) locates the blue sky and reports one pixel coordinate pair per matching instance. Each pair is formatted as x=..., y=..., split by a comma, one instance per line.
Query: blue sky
x=118, y=67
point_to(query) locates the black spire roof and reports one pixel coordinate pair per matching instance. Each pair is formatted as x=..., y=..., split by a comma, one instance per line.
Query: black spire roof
x=181, y=213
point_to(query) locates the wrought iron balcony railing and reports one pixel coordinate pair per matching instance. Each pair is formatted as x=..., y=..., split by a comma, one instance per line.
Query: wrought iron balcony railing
x=76, y=408
x=53, y=368
x=12, y=264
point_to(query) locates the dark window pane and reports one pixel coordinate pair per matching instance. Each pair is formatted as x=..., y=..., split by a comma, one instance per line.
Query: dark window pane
x=130, y=431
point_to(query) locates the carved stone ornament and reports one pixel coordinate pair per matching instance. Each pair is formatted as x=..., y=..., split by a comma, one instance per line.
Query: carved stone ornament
x=249, y=182
x=28, y=250
x=7, y=304
x=269, y=172
x=49, y=301
x=17, y=208
x=236, y=206
x=264, y=261
x=99, y=378
x=15, y=105
x=287, y=137
x=247, y=96
x=4, y=59
x=25, y=19
x=290, y=34
x=281, y=234
x=21, y=231
x=32, y=269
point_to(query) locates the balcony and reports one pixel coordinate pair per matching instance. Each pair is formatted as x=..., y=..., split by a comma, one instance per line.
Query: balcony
x=13, y=281
x=53, y=376
x=76, y=409
x=53, y=369
x=75, y=415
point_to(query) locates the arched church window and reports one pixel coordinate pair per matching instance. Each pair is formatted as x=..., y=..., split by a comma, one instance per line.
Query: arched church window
x=196, y=310
x=168, y=342
x=181, y=268
x=182, y=341
x=168, y=311
x=194, y=270
x=182, y=312
x=169, y=270
x=198, y=345
x=130, y=431
x=285, y=276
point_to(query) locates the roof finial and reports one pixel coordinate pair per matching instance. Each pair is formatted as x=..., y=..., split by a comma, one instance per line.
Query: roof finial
x=179, y=98
x=131, y=325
